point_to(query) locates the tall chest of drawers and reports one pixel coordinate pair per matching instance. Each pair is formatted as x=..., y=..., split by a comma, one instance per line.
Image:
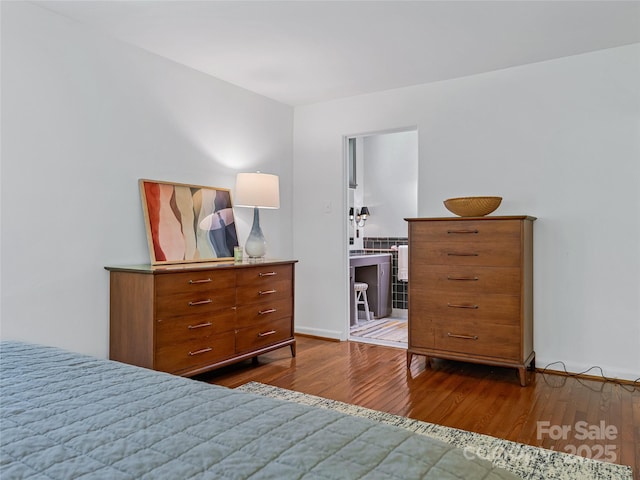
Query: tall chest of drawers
x=188, y=319
x=471, y=290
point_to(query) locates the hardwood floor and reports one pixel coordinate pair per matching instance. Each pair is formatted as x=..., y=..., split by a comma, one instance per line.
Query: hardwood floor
x=477, y=398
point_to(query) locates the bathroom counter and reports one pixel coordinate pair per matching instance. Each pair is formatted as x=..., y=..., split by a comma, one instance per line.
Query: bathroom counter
x=375, y=270
x=370, y=256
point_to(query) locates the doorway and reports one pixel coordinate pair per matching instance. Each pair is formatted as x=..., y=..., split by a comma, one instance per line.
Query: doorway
x=382, y=191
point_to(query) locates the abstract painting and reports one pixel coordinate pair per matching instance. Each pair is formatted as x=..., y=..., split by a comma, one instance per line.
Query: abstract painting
x=187, y=223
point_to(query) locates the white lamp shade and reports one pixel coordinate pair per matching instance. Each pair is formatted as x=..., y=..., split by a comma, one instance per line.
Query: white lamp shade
x=257, y=190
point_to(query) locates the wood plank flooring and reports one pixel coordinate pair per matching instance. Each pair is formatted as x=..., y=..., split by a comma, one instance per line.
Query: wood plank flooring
x=477, y=398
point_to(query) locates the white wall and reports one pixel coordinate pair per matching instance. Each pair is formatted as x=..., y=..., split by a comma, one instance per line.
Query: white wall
x=83, y=118
x=559, y=140
x=390, y=182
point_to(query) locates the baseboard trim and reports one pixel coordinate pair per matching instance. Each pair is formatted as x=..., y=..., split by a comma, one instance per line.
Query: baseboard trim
x=400, y=313
x=317, y=337
x=319, y=333
x=584, y=376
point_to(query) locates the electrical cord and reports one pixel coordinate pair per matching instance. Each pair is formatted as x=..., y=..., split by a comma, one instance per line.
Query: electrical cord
x=634, y=385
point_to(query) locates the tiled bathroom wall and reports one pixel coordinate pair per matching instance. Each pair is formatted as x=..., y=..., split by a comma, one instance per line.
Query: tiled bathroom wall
x=383, y=245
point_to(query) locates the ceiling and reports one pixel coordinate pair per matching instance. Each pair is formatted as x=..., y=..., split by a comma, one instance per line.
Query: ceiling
x=301, y=52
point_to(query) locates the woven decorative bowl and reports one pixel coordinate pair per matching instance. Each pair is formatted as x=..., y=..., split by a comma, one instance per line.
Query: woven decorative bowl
x=472, y=206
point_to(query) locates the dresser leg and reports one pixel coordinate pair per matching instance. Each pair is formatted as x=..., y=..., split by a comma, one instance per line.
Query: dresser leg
x=293, y=349
x=522, y=373
x=409, y=358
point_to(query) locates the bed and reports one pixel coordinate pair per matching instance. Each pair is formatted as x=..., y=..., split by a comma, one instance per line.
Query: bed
x=66, y=416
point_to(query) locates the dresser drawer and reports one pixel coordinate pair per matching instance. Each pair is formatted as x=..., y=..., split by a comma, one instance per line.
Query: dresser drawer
x=466, y=280
x=187, y=303
x=446, y=309
x=263, y=333
x=263, y=275
x=177, y=356
x=498, y=254
x=271, y=291
x=196, y=282
x=194, y=327
x=498, y=341
x=454, y=231
x=256, y=313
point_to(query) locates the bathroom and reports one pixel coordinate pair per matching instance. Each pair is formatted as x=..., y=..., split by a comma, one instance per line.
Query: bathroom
x=382, y=192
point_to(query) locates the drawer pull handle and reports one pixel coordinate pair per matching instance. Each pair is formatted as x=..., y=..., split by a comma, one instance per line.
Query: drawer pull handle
x=462, y=231
x=266, y=334
x=470, y=279
x=204, y=280
x=454, y=305
x=200, y=325
x=264, y=312
x=464, y=337
x=201, y=302
x=198, y=352
x=266, y=292
x=267, y=274
x=457, y=254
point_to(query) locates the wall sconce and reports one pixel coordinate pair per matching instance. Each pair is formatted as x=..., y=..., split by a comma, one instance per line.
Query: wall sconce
x=360, y=216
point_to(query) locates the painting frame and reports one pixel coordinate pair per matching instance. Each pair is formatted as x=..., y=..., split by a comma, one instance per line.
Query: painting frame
x=187, y=223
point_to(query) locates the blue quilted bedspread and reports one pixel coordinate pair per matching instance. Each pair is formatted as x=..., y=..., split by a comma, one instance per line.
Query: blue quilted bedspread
x=68, y=416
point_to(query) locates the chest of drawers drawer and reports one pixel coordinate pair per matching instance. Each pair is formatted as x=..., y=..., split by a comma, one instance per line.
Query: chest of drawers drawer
x=489, y=309
x=268, y=291
x=498, y=341
x=455, y=231
x=178, y=356
x=263, y=333
x=264, y=276
x=499, y=254
x=466, y=279
x=194, y=327
x=189, y=303
x=195, y=282
x=248, y=315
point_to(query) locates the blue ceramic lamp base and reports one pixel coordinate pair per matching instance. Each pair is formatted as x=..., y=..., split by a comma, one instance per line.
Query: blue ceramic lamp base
x=256, y=246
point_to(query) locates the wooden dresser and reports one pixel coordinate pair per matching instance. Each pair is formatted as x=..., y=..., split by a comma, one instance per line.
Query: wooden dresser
x=190, y=318
x=471, y=290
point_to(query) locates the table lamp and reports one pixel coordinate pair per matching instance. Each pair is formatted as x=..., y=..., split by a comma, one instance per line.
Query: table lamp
x=257, y=190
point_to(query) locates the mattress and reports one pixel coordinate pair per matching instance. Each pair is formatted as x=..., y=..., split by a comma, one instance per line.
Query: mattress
x=67, y=416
